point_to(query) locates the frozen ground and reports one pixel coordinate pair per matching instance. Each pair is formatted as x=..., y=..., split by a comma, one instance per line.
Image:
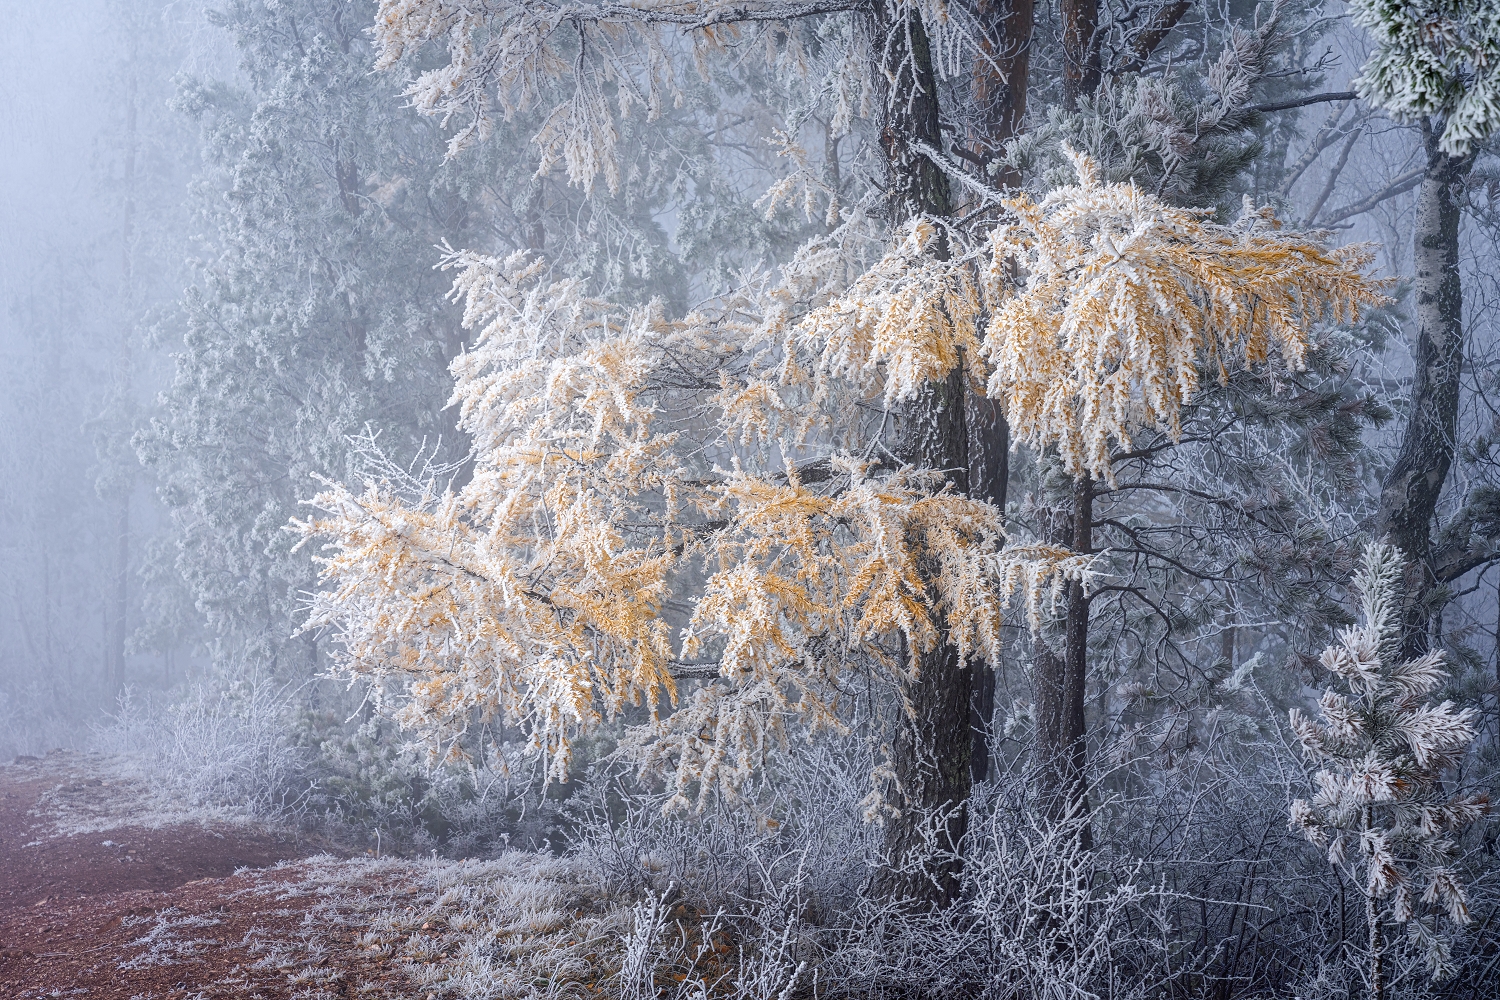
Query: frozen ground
x=106, y=893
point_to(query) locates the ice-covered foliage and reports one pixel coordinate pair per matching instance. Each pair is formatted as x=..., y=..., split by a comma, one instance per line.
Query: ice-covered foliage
x=1436, y=57
x=1124, y=300
x=234, y=749
x=588, y=67
x=1382, y=747
x=315, y=309
x=639, y=476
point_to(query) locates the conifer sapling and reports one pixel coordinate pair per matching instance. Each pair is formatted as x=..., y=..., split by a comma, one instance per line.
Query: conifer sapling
x=1380, y=805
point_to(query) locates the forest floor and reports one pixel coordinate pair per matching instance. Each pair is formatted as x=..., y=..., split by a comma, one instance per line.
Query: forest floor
x=106, y=899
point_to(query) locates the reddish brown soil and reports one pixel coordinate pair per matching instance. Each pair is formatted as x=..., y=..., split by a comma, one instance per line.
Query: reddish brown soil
x=75, y=909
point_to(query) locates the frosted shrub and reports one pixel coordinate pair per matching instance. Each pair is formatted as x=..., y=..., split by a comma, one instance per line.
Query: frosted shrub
x=1380, y=807
x=791, y=888
x=236, y=747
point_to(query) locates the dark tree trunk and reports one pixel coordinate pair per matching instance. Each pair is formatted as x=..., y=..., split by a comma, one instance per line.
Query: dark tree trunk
x=1060, y=681
x=1073, y=732
x=1080, y=31
x=1001, y=75
x=1409, y=494
x=1000, y=78
x=932, y=746
x=915, y=184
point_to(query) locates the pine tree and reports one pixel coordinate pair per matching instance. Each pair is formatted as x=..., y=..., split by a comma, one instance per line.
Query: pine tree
x=1383, y=748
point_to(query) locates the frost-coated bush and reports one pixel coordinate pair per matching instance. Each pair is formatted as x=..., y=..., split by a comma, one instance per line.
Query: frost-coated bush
x=235, y=746
x=371, y=784
x=788, y=880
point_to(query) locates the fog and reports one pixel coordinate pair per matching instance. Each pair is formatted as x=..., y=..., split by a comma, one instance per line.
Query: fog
x=94, y=180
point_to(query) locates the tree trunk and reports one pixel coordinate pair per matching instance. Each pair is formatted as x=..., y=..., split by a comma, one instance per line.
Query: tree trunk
x=1002, y=72
x=1000, y=78
x=1060, y=681
x=1080, y=36
x=915, y=184
x=932, y=746
x=1409, y=494
x=1073, y=744
x=1372, y=921
x=120, y=599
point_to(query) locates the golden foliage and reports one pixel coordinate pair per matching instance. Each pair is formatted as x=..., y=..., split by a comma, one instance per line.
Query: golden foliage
x=1121, y=297
x=614, y=532
x=712, y=497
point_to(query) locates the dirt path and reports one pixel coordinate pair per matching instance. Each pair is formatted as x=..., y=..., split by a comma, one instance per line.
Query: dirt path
x=110, y=892
x=136, y=913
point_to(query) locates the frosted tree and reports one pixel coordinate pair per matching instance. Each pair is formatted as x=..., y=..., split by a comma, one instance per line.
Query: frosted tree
x=734, y=495
x=1439, y=58
x=590, y=69
x=1438, y=64
x=1382, y=747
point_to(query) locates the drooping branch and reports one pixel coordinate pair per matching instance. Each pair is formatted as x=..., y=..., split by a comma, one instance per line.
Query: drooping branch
x=1406, y=182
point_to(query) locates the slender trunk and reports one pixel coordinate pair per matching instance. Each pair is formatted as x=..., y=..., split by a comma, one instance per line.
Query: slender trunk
x=535, y=225
x=1060, y=679
x=1073, y=744
x=1000, y=78
x=120, y=600
x=932, y=745
x=1409, y=494
x=1061, y=682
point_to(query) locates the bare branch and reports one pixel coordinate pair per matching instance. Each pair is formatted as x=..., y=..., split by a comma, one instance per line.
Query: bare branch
x=1302, y=102
x=1399, y=186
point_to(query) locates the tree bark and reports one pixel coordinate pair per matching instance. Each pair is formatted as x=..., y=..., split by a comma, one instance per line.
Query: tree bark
x=1081, y=67
x=932, y=745
x=1073, y=744
x=1060, y=681
x=1002, y=72
x=998, y=86
x=1409, y=494
x=1372, y=920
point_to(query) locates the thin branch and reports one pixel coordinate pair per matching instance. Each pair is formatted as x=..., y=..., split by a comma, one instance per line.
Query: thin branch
x=1302, y=102
x=1326, y=136
x=1400, y=185
x=693, y=669
x=952, y=169
x=1334, y=175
